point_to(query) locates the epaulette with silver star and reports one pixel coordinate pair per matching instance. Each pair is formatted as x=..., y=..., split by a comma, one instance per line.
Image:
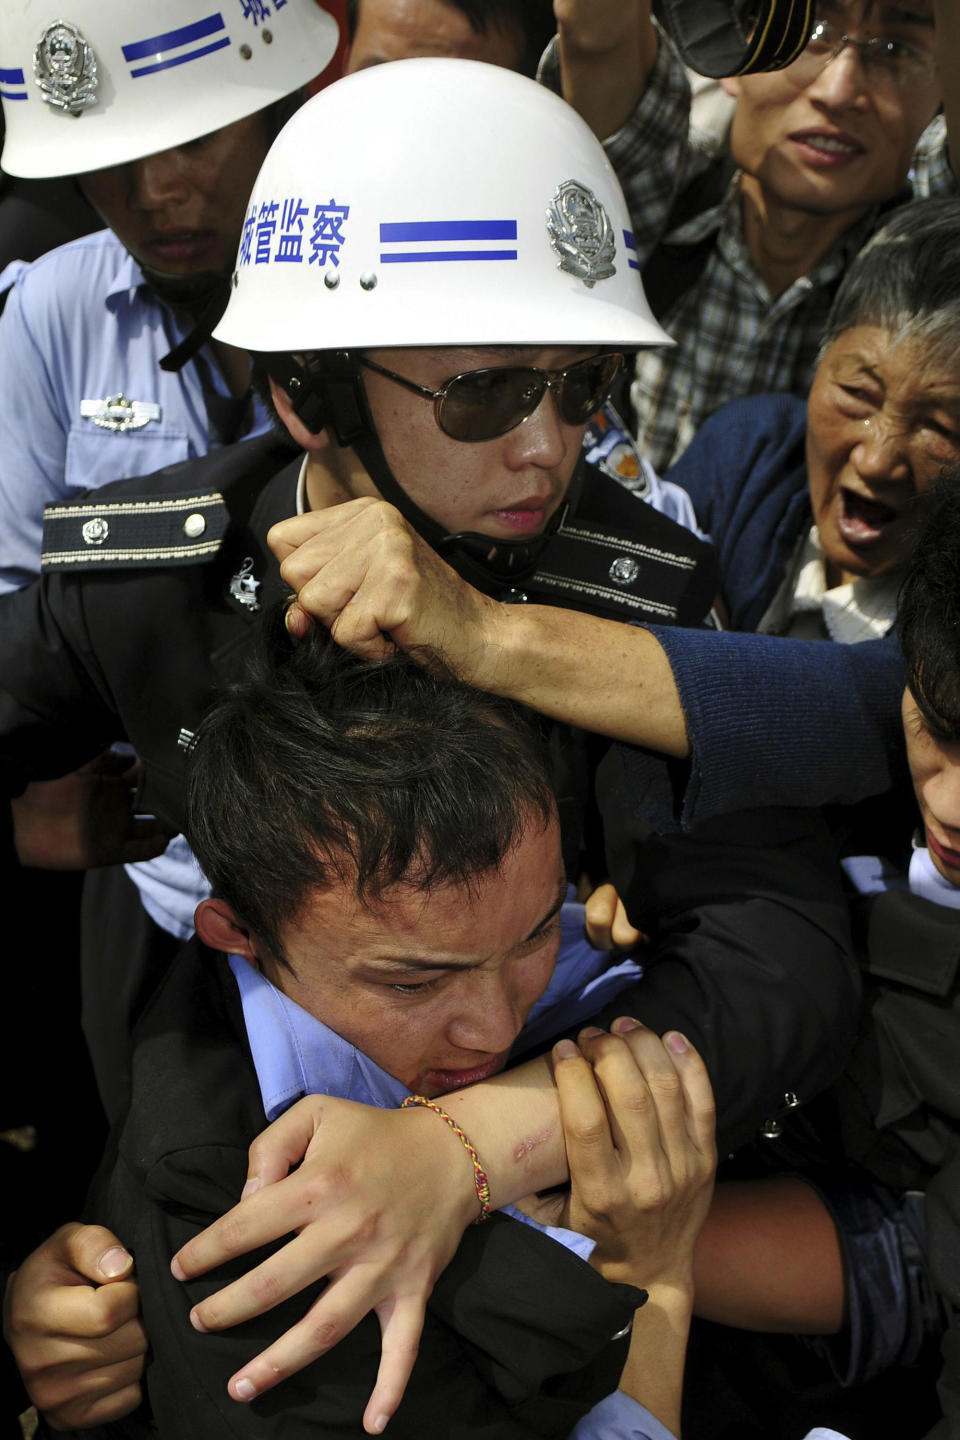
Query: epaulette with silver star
x=151, y=530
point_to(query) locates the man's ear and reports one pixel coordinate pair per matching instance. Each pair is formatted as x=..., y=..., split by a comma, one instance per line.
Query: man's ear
x=219, y=927
x=305, y=438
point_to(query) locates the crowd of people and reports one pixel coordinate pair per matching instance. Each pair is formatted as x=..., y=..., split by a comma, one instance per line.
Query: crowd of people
x=421, y=485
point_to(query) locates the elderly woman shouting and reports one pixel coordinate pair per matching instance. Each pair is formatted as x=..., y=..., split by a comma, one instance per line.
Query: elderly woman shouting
x=814, y=508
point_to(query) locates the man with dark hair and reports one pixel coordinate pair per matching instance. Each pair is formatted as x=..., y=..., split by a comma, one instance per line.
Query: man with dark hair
x=384, y=853
x=513, y=33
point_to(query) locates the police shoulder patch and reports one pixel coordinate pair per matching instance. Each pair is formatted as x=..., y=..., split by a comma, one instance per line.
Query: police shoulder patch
x=142, y=532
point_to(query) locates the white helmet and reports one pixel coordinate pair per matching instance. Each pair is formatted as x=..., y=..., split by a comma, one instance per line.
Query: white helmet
x=94, y=83
x=436, y=202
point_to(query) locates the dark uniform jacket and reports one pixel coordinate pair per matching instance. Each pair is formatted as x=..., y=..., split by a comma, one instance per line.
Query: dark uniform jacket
x=143, y=611
x=519, y=1336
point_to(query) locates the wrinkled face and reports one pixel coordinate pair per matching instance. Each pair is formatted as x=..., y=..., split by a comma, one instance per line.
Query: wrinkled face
x=840, y=142
x=181, y=211
x=432, y=987
x=403, y=29
x=882, y=421
x=508, y=487
x=935, y=771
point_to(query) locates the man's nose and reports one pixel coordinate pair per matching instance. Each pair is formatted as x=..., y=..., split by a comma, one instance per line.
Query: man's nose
x=491, y=1018
x=157, y=180
x=540, y=439
x=942, y=796
x=842, y=82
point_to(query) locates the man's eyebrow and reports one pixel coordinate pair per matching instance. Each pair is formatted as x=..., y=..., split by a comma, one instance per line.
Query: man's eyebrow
x=417, y=962
x=905, y=15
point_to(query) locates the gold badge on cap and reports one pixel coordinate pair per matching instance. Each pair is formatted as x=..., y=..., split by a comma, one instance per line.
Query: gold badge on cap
x=581, y=234
x=65, y=68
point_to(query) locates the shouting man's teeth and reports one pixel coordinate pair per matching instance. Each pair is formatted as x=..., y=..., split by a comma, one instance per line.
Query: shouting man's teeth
x=829, y=144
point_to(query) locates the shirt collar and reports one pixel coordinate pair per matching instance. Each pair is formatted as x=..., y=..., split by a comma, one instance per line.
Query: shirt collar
x=295, y=1054
x=128, y=278
x=863, y=609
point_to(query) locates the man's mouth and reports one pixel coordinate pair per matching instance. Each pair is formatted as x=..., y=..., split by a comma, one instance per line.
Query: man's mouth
x=180, y=246
x=947, y=857
x=862, y=521
x=526, y=517
x=827, y=148
x=443, y=1082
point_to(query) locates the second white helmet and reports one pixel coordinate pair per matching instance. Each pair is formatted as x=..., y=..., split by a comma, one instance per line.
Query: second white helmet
x=101, y=82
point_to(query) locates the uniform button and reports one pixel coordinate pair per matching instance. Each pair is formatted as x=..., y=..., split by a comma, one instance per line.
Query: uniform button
x=624, y=570
x=95, y=531
x=194, y=526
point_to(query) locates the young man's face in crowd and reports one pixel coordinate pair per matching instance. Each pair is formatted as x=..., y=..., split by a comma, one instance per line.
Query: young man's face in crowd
x=883, y=419
x=434, y=987
x=508, y=487
x=402, y=29
x=935, y=771
x=840, y=138
x=181, y=211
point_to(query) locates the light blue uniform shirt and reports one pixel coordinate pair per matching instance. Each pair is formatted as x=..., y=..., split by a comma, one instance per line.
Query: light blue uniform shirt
x=295, y=1054
x=80, y=325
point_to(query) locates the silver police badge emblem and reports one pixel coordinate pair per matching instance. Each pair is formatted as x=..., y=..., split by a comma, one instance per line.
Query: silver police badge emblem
x=65, y=68
x=116, y=412
x=244, y=585
x=581, y=234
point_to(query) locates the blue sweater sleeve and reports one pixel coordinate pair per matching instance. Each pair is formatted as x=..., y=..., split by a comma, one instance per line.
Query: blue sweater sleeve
x=782, y=722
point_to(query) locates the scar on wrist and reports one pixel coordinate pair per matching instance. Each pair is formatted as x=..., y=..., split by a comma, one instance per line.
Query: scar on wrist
x=531, y=1143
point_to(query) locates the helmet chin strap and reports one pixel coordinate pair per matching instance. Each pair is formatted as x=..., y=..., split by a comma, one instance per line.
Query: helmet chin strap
x=202, y=296
x=331, y=394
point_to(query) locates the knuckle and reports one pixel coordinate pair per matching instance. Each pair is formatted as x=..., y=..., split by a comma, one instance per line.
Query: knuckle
x=266, y=1289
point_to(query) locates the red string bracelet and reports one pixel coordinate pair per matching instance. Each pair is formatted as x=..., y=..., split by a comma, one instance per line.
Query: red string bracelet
x=479, y=1174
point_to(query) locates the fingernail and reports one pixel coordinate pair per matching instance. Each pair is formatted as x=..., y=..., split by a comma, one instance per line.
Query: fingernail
x=565, y=1050
x=197, y=1323
x=244, y=1390
x=380, y=1424
x=176, y=1269
x=622, y=1025
x=590, y=1032
x=250, y=1187
x=114, y=1262
x=676, y=1042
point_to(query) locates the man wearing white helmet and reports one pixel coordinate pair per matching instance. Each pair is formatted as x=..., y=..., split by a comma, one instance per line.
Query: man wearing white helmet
x=487, y=286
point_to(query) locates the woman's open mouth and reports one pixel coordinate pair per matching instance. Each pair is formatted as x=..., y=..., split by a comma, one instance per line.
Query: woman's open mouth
x=862, y=521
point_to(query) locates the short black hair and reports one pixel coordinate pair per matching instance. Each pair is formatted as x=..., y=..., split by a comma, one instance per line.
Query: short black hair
x=928, y=615
x=906, y=280
x=534, y=19
x=320, y=768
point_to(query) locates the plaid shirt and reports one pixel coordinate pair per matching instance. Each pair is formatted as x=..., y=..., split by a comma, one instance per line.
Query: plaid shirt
x=732, y=339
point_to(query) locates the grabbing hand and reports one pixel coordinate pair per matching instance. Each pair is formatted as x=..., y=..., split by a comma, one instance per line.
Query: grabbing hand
x=638, y=1122
x=70, y=1317
x=363, y=571
x=85, y=819
x=376, y=1209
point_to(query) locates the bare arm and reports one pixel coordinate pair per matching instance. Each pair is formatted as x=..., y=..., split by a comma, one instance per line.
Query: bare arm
x=607, y=49
x=768, y=1258
x=362, y=571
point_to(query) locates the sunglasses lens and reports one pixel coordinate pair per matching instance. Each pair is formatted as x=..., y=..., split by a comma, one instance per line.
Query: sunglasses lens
x=585, y=386
x=483, y=404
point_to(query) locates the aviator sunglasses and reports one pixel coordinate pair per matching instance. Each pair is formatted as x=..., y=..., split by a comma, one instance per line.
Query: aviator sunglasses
x=484, y=404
